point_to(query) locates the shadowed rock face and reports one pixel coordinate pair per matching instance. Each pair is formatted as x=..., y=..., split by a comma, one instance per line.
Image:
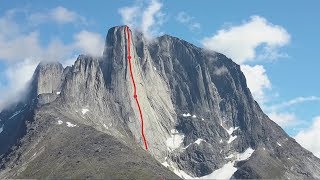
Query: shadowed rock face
x=199, y=116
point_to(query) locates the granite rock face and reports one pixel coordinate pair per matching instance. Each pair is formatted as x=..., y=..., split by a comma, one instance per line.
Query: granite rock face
x=199, y=114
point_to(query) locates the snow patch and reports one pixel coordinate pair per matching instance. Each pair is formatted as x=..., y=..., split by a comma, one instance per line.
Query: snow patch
x=181, y=174
x=230, y=131
x=60, y=122
x=175, y=140
x=230, y=156
x=241, y=156
x=177, y=171
x=225, y=172
x=232, y=138
x=187, y=146
x=189, y=115
x=165, y=164
x=58, y=92
x=198, y=141
x=84, y=111
x=245, y=155
x=15, y=114
x=69, y=124
x=279, y=144
x=174, y=131
x=186, y=115
x=1, y=129
x=34, y=154
x=105, y=126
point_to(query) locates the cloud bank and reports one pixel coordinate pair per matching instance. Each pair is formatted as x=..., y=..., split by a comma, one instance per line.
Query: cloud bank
x=60, y=15
x=295, y=101
x=21, y=50
x=309, y=138
x=240, y=42
x=188, y=21
x=257, y=80
x=284, y=119
x=253, y=40
x=146, y=18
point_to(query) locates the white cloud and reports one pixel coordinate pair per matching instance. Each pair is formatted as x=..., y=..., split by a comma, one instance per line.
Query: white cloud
x=294, y=101
x=21, y=51
x=20, y=46
x=284, y=119
x=56, y=50
x=256, y=39
x=129, y=15
x=63, y=15
x=309, y=138
x=28, y=46
x=69, y=61
x=241, y=42
x=38, y=18
x=195, y=26
x=147, y=19
x=257, y=81
x=183, y=17
x=7, y=23
x=17, y=76
x=188, y=21
x=17, y=44
x=20, y=73
x=276, y=112
x=89, y=42
x=60, y=15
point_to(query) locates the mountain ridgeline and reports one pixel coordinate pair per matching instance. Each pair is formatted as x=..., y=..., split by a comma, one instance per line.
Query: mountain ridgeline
x=200, y=119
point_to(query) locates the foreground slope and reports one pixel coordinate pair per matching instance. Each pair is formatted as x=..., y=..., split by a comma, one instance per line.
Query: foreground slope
x=200, y=119
x=65, y=150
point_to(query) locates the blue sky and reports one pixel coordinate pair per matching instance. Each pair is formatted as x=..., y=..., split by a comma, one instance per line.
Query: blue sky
x=282, y=35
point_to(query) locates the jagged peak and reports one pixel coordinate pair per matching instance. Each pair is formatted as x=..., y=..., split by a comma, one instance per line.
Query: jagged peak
x=117, y=28
x=117, y=33
x=47, y=77
x=114, y=33
x=85, y=60
x=48, y=65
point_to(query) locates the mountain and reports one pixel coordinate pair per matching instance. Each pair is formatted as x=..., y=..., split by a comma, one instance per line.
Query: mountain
x=200, y=119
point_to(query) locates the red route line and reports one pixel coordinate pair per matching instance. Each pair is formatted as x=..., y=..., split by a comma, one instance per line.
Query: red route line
x=135, y=88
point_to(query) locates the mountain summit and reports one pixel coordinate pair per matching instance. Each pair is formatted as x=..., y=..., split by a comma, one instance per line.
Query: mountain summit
x=200, y=119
